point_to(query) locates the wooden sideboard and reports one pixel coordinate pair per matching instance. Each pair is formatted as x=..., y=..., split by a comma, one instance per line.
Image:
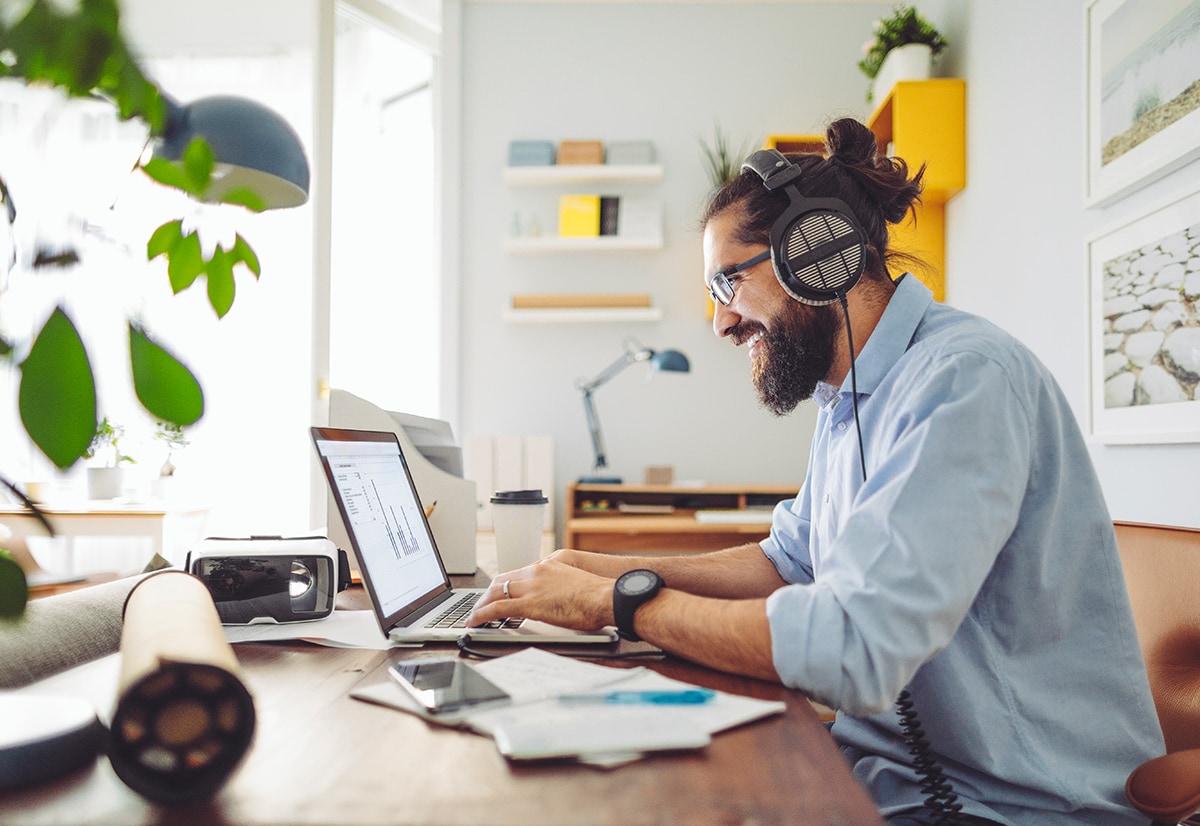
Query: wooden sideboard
x=667, y=519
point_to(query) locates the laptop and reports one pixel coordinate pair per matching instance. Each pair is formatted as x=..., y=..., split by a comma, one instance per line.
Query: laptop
x=402, y=569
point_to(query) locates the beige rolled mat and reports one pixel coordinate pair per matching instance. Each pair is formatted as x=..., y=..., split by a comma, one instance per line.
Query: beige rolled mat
x=183, y=719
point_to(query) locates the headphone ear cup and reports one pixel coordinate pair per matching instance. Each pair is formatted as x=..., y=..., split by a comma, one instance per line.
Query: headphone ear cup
x=818, y=250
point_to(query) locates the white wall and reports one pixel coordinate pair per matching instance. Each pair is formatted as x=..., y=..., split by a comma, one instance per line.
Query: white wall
x=1016, y=248
x=665, y=73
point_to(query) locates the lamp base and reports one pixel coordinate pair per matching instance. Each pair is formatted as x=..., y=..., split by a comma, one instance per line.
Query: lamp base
x=599, y=480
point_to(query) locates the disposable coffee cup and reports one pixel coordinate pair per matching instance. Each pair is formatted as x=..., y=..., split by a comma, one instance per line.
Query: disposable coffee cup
x=517, y=519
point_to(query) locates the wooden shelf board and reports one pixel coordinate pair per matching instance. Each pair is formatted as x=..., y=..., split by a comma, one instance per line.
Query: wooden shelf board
x=571, y=315
x=554, y=243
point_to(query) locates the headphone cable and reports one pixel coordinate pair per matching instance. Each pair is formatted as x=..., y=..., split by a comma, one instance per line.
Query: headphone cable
x=862, y=456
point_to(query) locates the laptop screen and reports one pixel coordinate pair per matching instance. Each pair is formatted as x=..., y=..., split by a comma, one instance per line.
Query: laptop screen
x=384, y=518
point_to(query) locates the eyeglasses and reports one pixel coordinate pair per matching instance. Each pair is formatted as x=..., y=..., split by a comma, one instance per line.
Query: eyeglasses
x=721, y=288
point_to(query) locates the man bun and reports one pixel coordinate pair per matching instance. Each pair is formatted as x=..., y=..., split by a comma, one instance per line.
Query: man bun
x=854, y=146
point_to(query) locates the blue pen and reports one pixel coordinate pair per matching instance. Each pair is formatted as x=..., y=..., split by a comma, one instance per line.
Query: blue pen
x=691, y=696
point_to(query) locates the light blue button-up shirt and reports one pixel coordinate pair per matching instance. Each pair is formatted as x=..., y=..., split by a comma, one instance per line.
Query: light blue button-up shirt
x=976, y=566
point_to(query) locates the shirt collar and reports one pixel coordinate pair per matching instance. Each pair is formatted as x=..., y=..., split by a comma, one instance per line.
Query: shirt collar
x=888, y=341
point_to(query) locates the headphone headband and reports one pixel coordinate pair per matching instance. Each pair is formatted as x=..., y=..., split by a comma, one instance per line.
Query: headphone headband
x=774, y=169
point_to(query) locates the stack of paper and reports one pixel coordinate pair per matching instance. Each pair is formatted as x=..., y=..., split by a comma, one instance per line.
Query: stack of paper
x=540, y=723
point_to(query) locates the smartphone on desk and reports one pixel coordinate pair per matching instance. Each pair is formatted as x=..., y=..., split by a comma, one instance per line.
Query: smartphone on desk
x=449, y=684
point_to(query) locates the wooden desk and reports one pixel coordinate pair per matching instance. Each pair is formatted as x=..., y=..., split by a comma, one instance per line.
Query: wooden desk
x=321, y=757
x=662, y=519
x=170, y=528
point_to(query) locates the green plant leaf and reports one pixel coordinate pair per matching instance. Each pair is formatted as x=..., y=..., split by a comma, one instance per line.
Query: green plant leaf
x=185, y=262
x=135, y=96
x=192, y=173
x=13, y=589
x=164, y=239
x=198, y=162
x=81, y=50
x=220, y=281
x=244, y=254
x=57, y=396
x=167, y=173
x=164, y=386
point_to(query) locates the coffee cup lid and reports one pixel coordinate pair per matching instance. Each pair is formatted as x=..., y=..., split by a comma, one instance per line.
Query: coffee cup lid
x=519, y=497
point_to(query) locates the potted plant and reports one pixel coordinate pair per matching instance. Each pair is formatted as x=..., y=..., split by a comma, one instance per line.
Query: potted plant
x=901, y=49
x=172, y=434
x=80, y=50
x=721, y=161
x=104, y=481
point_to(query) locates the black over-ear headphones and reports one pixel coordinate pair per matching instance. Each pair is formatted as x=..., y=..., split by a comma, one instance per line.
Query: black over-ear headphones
x=818, y=247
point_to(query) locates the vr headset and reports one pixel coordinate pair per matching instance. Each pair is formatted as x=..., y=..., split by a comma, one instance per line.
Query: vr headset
x=270, y=579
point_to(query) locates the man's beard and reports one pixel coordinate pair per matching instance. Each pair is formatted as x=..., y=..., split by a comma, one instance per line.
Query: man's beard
x=795, y=354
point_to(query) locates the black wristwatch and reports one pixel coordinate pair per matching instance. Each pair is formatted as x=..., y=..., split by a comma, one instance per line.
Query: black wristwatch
x=633, y=590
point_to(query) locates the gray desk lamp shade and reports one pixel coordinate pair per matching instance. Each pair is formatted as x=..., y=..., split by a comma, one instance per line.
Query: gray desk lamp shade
x=669, y=360
x=254, y=148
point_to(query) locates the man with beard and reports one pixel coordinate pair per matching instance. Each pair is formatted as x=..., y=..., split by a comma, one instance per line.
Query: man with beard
x=950, y=551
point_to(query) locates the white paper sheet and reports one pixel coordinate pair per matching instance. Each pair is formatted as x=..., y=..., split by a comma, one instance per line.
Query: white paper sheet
x=535, y=678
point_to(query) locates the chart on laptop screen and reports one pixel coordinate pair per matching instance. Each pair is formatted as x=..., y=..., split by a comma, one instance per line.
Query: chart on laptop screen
x=385, y=518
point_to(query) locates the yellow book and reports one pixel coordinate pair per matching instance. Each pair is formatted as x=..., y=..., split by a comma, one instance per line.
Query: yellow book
x=579, y=216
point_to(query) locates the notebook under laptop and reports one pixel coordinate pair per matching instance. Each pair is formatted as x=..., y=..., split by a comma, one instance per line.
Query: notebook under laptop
x=401, y=566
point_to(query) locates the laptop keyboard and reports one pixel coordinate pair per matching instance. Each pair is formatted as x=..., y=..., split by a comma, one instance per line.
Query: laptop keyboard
x=456, y=615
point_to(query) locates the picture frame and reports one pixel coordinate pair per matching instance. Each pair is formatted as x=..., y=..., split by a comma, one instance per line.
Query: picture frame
x=1144, y=327
x=1141, y=122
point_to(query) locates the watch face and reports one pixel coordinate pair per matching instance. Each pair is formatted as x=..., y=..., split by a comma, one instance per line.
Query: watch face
x=637, y=582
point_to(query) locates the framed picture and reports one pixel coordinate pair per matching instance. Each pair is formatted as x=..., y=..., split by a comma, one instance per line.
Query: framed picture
x=1143, y=104
x=1144, y=323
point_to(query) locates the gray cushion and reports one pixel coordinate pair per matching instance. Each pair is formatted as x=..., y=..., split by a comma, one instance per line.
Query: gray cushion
x=60, y=632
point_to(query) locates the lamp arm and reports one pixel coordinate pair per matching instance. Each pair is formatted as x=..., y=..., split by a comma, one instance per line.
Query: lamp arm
x=607, y=373
x=593, y=420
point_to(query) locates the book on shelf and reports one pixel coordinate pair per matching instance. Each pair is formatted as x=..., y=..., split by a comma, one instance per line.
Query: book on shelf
x=531, y=153
x=579, y=216
x=579, y=300
x=580, y=152
x=610, y=210
x=629, y=153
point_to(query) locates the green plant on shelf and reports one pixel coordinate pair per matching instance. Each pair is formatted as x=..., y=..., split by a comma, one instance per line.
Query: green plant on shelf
x=722, y=161
x=904, y=27
x=106, y=445
x=172, y=434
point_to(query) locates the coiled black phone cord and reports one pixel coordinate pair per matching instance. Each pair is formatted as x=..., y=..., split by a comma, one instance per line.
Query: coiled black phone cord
x=940, y=797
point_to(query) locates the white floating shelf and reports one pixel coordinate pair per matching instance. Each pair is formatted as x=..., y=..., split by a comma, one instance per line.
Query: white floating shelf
x=581, y=173
x=553, y=243
x=582, y=314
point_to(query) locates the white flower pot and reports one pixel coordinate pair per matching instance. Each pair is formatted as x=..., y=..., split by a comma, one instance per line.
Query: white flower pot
x=104, y=482
x=908, y=62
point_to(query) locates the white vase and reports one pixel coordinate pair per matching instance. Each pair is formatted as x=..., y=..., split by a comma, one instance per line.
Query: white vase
x=104, y=482
x=908, y=62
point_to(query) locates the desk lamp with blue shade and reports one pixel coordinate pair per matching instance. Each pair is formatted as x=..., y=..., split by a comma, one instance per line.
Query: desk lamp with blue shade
x=669, y=360
x=254, y=148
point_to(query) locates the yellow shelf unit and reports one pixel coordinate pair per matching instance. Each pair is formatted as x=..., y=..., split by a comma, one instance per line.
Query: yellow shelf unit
x=923, y=122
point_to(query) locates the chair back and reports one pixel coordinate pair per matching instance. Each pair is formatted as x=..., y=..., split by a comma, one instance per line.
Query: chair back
x=1162, y=574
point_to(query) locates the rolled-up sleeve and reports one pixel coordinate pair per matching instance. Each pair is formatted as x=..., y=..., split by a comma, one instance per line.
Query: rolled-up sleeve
x=787, y=544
